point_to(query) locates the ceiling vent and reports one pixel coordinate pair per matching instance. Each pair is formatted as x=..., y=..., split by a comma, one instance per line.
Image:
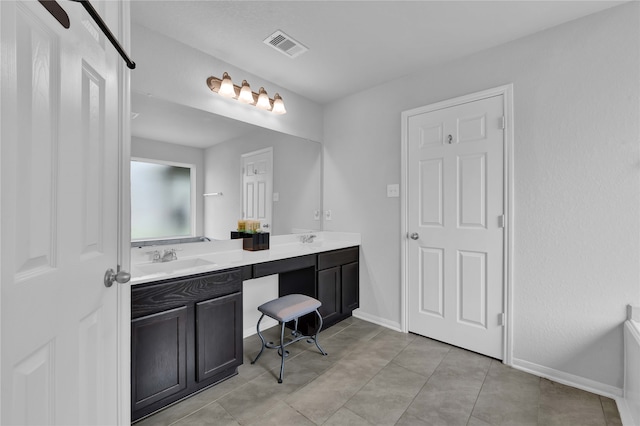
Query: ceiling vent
x=285, y=44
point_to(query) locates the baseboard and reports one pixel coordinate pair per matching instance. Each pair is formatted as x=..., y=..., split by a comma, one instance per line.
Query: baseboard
x=266, y=323
x=568, y=379
x=377, y=320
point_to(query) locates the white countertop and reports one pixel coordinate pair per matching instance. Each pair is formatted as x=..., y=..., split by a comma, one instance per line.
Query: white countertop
x=197, y=258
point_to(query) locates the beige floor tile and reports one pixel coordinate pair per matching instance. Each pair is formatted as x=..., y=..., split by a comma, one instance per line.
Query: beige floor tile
x=611, y=414
x=248, y=401
x=474, y=421
x=373, y=375
x=281, y=414
x=213, y=414
x=383, y=400
x=346, y=417
x=422, y=355
x=563, y=405
x=508, y=397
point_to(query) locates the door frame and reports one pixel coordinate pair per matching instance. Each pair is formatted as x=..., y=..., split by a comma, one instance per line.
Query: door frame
x=124, y=220
x=508, y=190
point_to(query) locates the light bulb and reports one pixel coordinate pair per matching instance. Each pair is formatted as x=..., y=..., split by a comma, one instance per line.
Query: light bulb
x=226, y=87
x=245, y=95
x=263, y=100
x=278, y=105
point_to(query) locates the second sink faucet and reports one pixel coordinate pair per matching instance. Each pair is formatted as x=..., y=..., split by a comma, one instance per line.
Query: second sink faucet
x=307, y=238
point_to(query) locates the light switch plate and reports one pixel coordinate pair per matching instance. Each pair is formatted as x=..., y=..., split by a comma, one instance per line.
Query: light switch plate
x=327, y=215
x=316, y=215
x=393, y=190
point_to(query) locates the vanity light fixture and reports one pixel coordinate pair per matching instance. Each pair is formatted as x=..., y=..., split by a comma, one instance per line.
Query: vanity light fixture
x=263, y=100
x=225, y=87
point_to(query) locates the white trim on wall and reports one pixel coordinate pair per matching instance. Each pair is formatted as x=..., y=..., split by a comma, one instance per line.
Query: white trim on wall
x=507, y=92
x=393, y=325
x=567, y=379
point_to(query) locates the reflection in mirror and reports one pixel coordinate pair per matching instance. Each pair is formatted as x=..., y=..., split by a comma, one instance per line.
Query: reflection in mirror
x=213, y=146
x=160, y=201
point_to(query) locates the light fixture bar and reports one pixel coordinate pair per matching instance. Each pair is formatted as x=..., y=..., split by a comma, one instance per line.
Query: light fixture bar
x=244, y=94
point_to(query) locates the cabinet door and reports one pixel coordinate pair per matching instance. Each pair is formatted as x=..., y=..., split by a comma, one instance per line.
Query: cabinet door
x=329, y=294
x=218, y=335
x=158, y=356
x=350, y=287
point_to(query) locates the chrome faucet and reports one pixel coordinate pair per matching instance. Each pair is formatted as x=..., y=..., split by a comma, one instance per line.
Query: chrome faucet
x=166, y=255
x=169, y=255
x=307, y=238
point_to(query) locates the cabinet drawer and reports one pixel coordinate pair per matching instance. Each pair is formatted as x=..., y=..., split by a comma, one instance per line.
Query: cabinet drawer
x=337, y=257
x=168, y=294
x=284, y=265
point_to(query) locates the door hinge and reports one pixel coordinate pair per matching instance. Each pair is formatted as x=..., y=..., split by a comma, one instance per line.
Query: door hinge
x=503, y=122
x=501, y=221
x=502, y=319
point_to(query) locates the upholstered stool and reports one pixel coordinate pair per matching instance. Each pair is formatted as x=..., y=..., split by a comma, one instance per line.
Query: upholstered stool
x=285, y=309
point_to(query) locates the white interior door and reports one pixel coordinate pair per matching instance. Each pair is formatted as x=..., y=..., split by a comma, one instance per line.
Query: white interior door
x=455, y=210
x=59, y=179
x=257, y=186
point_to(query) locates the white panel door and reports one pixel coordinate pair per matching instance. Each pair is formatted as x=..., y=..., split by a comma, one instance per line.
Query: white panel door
x=59, y=179
x=455, y=202
x=257, y=186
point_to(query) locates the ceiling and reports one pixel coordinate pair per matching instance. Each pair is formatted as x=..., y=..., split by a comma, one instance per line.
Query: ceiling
x=353, y=45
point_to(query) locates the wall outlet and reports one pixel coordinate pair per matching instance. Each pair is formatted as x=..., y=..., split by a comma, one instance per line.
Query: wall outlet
x=327, y=215
x=393, y=190
x=316, y=215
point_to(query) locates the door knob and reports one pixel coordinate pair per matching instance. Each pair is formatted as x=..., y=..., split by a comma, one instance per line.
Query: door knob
x=414, y=236
x=110, y=276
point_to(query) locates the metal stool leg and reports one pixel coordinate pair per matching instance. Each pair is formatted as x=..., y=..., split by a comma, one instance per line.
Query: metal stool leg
x=261, y=339
x=282, y=350
x=315, y=336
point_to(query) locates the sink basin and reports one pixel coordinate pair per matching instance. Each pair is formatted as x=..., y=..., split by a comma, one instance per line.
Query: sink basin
x=173, y=266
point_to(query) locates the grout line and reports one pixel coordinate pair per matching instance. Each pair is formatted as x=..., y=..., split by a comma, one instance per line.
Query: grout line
x=486, y=373
x=425, y=383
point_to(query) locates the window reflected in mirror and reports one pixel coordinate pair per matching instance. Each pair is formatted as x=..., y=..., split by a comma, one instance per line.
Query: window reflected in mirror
x=160, y=200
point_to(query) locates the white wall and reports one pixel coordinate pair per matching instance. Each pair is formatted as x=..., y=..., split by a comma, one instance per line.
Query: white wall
x=156, y=150
x=173, y=71
x=296, y=178
x=577, y=192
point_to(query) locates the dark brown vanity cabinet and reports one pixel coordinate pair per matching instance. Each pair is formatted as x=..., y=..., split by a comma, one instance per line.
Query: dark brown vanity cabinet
x=186, y=334
x=338, y=284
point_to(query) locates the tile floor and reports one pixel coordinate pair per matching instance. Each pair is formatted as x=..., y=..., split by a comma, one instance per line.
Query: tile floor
x=375, y=376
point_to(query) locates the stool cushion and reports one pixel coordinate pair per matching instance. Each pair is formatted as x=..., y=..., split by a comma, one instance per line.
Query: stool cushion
x=289, y=307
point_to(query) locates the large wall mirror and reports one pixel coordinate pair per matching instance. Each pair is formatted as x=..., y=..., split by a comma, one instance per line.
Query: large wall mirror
x=168, y=138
